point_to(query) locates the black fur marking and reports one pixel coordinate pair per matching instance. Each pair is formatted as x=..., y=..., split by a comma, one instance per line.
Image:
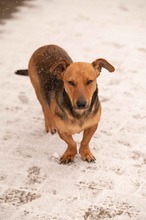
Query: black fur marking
x=64, y=104
x=50, y=86
x=95, y=102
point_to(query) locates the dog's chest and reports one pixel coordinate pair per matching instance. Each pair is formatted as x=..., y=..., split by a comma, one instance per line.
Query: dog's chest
x=71, y=125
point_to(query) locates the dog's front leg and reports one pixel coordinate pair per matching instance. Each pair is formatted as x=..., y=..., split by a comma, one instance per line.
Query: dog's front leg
x=84, y=148
x=71, y=150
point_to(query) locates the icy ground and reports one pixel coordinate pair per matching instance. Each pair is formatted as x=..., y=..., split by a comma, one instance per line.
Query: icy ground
x=33, y=185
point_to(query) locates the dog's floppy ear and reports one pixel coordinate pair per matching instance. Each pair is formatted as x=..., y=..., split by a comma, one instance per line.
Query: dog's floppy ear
x=99, y=63
x=59, y=67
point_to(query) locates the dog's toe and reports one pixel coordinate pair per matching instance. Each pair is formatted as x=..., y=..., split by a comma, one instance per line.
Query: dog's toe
x=65, y=161
x=53, y=131
x=68, y=156
x=90, y=159
x=86, y=155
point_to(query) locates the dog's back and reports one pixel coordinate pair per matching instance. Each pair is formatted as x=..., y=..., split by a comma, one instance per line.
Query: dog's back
x=45, y=57
x=42, y=62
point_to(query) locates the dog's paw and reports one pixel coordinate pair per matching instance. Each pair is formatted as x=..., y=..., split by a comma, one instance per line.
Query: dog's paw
x=68, y=156
x=86, y=155
x=50, y=129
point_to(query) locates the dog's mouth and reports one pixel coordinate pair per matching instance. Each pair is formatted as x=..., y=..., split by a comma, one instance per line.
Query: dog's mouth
x=80, y=110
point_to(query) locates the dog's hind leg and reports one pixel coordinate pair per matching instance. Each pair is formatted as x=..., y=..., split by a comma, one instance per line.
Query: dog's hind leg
x=84, y=148
x=49, y=125
x=71, y=150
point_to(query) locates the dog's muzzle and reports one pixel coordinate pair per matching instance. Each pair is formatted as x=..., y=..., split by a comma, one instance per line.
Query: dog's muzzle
x=81, y=103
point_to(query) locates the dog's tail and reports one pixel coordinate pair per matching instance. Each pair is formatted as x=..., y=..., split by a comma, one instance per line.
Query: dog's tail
x=22, y=72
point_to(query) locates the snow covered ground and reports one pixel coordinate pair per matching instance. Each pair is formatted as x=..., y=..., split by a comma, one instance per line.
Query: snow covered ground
x=33, y=185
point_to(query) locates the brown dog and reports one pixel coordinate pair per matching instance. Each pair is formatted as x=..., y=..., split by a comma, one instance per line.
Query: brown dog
x=68, y=94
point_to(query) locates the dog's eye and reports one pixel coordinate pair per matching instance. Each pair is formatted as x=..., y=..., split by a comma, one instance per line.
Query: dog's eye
x=89, y=82
x=71, y=83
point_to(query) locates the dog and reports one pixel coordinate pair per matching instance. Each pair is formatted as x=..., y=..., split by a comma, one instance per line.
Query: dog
x=68, y=94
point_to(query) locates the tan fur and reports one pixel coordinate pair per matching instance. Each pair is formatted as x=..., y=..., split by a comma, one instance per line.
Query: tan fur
x=77, y=84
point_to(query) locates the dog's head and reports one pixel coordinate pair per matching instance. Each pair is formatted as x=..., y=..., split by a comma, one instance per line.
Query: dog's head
x=80, y=80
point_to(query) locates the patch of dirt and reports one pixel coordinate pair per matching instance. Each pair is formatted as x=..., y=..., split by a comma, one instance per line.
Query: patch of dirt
x=18, y=197
x=35, y=175
x=113, y=210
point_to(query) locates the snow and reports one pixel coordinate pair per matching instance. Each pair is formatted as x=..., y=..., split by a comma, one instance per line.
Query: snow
x=33, y=185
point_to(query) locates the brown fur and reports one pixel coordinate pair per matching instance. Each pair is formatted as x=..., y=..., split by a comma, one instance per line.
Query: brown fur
x=68, y=94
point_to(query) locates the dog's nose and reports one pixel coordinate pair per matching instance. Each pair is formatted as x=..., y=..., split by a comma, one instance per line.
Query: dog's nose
x=81, y=103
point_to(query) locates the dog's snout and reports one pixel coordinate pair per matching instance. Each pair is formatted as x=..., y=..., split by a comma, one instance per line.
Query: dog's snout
x=81, y=103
